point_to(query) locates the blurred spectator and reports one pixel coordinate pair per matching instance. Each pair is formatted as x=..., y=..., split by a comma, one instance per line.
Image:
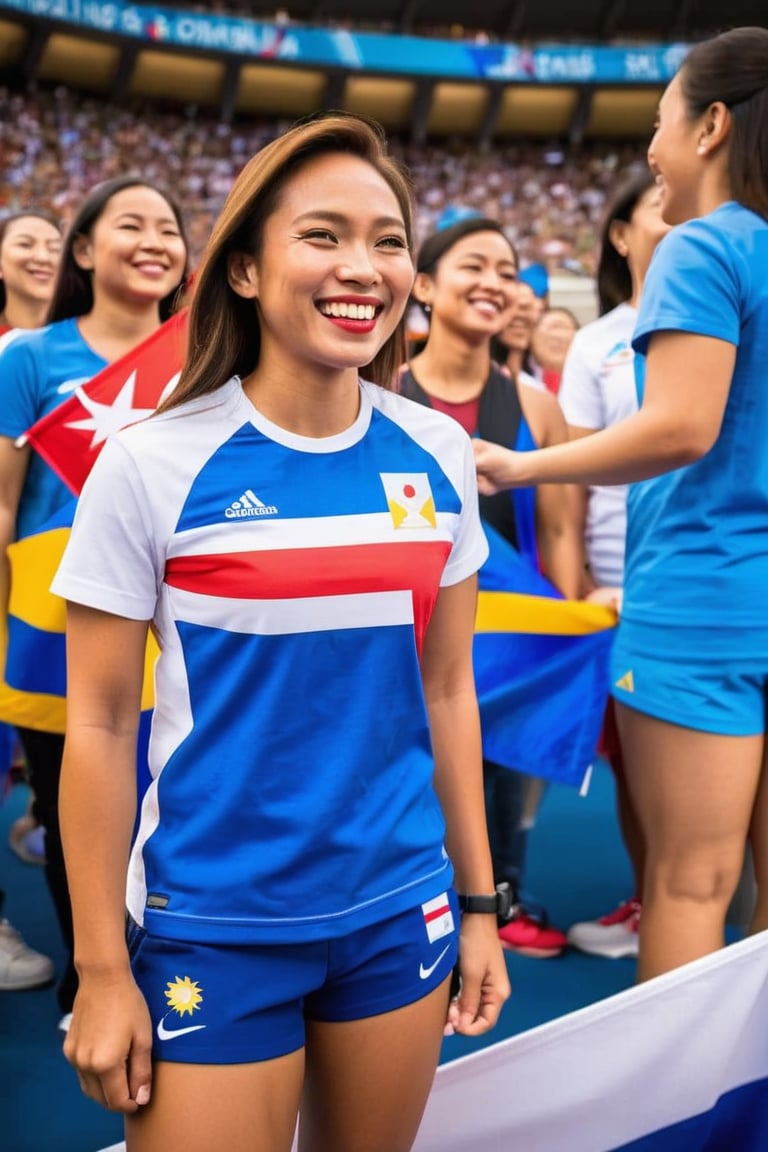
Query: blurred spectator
x=511, y=349
x=550, y=340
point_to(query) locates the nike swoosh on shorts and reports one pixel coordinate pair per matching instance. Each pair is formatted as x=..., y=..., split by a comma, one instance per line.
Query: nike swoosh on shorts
x=425, y=973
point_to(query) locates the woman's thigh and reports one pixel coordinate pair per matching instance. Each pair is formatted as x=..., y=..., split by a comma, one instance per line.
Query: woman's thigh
x=368, y=1080
x=237, y=1107
x=694, y=794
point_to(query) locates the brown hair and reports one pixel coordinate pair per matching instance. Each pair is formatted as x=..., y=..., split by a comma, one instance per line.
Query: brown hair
x=224, y=335
x=733, y=69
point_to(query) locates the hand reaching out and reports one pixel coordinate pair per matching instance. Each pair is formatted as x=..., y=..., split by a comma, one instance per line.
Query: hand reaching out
x=497, y=468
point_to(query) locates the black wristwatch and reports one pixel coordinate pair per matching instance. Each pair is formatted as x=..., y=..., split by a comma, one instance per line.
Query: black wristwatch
x=499, y=903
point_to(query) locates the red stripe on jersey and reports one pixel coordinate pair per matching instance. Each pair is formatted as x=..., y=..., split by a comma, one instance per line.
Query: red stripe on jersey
x=343, y=570
x=436, y=913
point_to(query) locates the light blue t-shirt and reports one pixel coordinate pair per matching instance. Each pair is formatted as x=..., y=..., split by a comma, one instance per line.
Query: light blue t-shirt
x=39, y=370
x=697, y=542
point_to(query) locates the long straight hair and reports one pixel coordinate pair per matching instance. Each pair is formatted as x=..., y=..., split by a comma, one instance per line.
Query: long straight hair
x=224, y=333
x=73, y=293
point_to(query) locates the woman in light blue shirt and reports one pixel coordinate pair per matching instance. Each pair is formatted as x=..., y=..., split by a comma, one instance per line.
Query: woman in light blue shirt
x=691, y=658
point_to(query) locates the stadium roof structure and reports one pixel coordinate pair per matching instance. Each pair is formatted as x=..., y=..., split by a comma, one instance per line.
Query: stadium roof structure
x=565, y=69
x=534, y=20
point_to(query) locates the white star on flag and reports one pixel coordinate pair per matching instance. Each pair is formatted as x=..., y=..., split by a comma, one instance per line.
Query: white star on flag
x=105, y=419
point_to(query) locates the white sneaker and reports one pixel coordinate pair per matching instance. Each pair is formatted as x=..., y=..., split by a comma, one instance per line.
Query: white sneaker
x=613, y=936
x=20, y=966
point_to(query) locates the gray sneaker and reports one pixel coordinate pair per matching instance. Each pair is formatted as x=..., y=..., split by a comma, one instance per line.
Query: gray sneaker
x=613, y=936
x=20, y=966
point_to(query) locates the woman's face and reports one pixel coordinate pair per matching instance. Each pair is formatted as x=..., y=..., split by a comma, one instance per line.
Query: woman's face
x=473, y=290
x=517, y=334
x=135, y=250
x=552, y=338
x=333, y=274
x=637, y=238
x=672, y=155
x=29, y=258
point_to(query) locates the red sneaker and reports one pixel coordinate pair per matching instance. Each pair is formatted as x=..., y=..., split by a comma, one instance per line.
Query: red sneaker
x=531, y=936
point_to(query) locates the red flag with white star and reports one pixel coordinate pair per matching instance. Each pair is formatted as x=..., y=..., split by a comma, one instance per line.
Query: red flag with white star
x=71, y=436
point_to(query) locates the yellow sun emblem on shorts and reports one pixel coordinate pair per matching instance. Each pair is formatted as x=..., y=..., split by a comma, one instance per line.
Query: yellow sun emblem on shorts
x=184, y=995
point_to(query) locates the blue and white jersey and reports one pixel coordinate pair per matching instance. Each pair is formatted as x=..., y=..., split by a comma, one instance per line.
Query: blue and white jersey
x=290, y=581
x=697, y=544
x=38, y=371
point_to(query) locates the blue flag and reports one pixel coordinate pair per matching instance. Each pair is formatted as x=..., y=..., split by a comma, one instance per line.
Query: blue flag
x=541, y=669
x=33, y=694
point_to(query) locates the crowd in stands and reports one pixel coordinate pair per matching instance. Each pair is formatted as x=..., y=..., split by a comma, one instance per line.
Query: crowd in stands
x=56, y=144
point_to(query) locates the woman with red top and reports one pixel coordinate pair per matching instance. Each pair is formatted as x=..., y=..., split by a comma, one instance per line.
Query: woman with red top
x=467, y=285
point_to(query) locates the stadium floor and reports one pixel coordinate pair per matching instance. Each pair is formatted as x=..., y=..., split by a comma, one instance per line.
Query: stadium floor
x=576, y=868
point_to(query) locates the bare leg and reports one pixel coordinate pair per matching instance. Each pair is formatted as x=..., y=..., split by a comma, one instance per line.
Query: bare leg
x=631, y=832
x=368, y=1080
x=202, y=1107
x=694, y=793
x=758, y=835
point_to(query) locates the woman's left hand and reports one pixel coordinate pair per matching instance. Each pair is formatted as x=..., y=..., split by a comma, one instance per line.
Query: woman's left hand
x=484, y=981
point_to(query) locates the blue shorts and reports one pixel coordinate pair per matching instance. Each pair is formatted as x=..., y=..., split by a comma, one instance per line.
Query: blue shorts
x=233, y=1004
x=690, y=677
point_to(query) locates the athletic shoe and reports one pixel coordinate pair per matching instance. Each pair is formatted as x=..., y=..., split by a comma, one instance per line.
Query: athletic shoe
x=613, y=936
x=530, y=935
x=20, y=966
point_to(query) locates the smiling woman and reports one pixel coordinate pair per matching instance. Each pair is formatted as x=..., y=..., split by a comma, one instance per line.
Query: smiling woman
x=304, y=544
x=121, y=265
x=467, y=283
x=30, y=248
x=330, y=286
x=690, y=664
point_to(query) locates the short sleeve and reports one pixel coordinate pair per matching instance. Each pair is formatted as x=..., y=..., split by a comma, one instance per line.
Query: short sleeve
x=111, y=560
x=470, y=547
x=19, y=381
x=693, y=285
x=579, y=394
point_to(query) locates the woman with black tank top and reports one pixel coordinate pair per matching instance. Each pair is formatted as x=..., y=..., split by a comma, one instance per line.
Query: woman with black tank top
x=466, y=283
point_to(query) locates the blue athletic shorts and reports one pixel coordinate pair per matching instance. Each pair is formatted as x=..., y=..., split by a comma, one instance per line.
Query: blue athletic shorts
x=692, y=677
x=224, y=1004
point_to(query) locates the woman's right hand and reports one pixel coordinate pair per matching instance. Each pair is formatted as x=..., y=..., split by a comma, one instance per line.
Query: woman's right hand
x=109, y=1042
x=497, y=467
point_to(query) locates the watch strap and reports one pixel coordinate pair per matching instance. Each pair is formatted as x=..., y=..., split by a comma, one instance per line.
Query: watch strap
x=498, y=903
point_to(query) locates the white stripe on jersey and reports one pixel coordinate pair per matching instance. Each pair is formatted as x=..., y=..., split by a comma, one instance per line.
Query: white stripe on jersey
x=260, y=534
x=286, y=617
